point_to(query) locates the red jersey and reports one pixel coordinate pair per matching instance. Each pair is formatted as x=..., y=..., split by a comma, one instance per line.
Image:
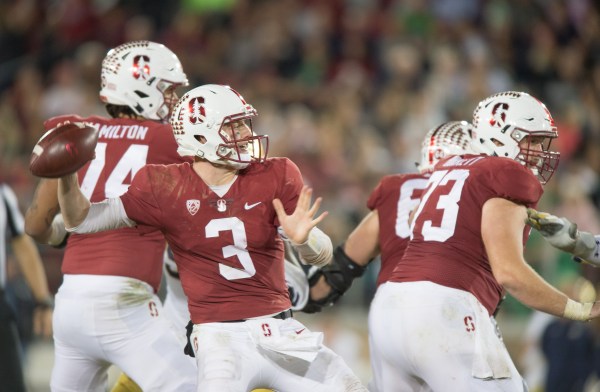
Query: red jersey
x=227, y=249
x=446, y=246
x=124, y=147
x=394, y=198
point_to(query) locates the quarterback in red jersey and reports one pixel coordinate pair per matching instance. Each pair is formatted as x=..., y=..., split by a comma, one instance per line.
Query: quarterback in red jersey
x=223, y=217
x=431, y=322
x=107, y=311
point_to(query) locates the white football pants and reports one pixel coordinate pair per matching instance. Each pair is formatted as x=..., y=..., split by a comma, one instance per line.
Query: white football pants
x=104, y=320
x=282, y=355
x=427, y=337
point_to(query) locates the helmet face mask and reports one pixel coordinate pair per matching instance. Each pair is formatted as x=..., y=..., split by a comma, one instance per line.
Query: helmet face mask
x=142, y=75
x=516, y=125
x=451, y=138
x=214, y=122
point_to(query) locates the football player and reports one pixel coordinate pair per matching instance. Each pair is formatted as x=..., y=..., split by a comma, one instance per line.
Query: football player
x=385, y=230
x=223, y=217
x=430, y=323
x=107, y=311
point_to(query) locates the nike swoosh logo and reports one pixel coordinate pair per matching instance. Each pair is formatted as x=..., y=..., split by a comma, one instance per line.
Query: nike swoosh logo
x=250, y=206
x=298, y=332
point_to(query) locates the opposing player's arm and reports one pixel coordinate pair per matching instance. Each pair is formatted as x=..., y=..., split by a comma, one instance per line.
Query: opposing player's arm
x=43, y=221
x=564, y=235
x=502, y=228
x=81, y=216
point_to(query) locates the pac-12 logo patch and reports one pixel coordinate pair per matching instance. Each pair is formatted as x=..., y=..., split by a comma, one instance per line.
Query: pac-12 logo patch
x=193, y=206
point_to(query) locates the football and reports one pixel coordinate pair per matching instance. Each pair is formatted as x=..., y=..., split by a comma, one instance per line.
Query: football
x=63, y=150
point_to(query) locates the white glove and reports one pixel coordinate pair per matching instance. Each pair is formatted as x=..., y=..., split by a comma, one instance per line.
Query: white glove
x=563, y=234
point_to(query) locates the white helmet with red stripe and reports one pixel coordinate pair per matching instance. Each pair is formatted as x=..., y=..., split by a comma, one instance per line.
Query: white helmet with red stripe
x=502, y=121
x=137, y=74
x=203, y=122
x=451, y=138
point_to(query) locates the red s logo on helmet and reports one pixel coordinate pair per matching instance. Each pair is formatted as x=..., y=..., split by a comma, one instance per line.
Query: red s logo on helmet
x=499, y=114
x=141, y=67
x=196, y=110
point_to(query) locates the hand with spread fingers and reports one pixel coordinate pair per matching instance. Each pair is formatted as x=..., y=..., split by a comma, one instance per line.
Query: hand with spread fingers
x=564, y=235
x=299, y=224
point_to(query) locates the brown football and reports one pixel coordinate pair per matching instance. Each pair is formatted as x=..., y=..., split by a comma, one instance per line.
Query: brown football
x=63, y=150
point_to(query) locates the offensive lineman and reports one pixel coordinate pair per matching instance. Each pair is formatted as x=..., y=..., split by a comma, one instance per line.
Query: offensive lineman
x=431, y=322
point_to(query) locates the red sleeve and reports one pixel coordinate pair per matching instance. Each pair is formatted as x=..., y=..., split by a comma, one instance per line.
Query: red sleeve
x=374, y=198
x=140, y=202
x=291, y=185
x=512, y=181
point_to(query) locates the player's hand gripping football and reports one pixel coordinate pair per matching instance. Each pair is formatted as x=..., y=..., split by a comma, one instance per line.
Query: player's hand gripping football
x=562, y=233
x=298, y=225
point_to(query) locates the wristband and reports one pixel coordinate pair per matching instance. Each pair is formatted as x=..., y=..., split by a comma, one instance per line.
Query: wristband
x=577, y=311
x=46, y=303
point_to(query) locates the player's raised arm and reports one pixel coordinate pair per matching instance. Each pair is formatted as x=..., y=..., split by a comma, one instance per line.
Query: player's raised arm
x=81, y=216
x=73, y=203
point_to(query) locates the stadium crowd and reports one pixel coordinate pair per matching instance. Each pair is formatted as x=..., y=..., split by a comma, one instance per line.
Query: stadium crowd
x=345, y=88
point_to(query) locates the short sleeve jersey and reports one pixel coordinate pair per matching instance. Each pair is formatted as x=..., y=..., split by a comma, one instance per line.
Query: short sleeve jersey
x=227, y=249
x=124, y=147
x=394, y=198
x=446, y=247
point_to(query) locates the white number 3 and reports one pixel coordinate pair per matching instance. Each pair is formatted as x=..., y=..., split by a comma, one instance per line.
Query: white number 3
x=238, y=249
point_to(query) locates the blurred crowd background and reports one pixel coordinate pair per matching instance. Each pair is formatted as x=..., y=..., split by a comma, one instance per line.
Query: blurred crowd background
x=347, y=89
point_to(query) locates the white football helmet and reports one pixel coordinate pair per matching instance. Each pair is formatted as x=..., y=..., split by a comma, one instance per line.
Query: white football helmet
x=203, y=124
x=451, y=138
x=503, y=120
x=137, y=74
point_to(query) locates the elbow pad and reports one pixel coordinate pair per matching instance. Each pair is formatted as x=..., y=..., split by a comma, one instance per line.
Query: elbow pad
x=342, y=271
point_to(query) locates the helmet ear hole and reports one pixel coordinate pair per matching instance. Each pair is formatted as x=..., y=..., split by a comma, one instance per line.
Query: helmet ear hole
x=141, y=94
x=200, y=139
